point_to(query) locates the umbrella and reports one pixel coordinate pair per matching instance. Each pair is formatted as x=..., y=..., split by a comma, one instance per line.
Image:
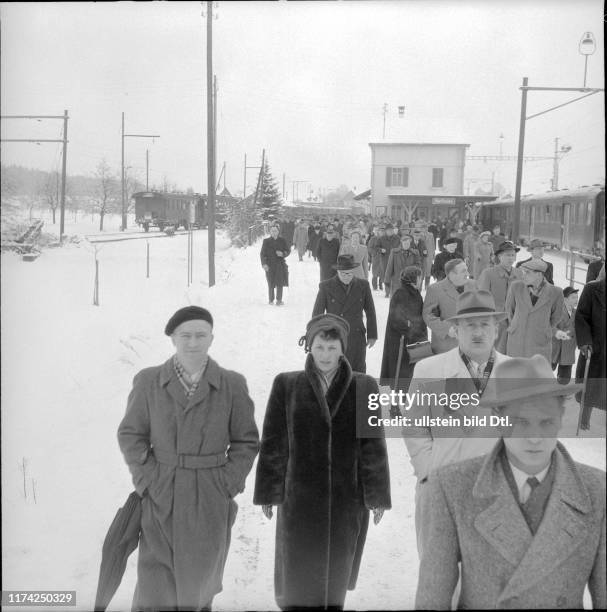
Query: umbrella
x=121, y=540
x=583, y=411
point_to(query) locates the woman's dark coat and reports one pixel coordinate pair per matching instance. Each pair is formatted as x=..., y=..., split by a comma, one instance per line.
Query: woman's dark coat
x=278, y=274
x=313, y=240
x=404, y=318
x=327, y=253
x=590, y=330
x=323, y=479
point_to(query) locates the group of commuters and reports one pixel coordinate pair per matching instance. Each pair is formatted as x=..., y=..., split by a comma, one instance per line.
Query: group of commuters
x=511, y=518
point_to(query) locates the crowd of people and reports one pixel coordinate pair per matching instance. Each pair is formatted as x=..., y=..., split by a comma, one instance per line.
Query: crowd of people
x=511, y=517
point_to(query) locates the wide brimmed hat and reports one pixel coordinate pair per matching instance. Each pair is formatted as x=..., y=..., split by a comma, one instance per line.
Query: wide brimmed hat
x=507, y=246
x=537, y=265
x=521, y=378
x=476, y=303
x=345, y=262
x=536, y=243
x=323, y=323
x=450, y=241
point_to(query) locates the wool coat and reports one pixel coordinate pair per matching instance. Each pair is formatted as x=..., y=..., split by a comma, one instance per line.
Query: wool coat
x=563, y=351
x=470, y=240
x=187, y=512
x=313, y=240
x=439, y=305
x=441, y=258
x=377, y=267
x=430, y=242
x=531, y=328
x=350, y=302
x=496, y=280
x=300, y=239
x=399, y=259
x=386, y=244
x=278, y=273
x=483, y=257
x=590, y=330
x=594, y=267
x=474, y=519
x=324, y=479
x=327, y=253
x=404, y=319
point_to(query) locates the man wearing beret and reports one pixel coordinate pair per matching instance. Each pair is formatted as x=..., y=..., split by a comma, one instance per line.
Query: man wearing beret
x=323, y=478
x=534, y=308
x=522, y=527
x=189, y=439
x=348, y=297
x=536, y=248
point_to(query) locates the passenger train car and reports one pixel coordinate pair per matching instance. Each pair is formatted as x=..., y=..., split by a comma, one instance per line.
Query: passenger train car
x=564, y=219
x=188, y=210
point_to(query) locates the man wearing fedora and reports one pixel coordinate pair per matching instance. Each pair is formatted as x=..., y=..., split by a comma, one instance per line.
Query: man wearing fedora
x=523, y=527
x=390, y=240
x=466, y=368
x=497, y=280
x=189, y=439
x=440, y=304
x=327, y=252
x=563, y=343
x=534, y=307
x=348, y=297
x=377, y=265
x=536, y=248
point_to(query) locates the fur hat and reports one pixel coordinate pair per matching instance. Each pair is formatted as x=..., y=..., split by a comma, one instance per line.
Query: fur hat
x=189, y=313
x=323, y=323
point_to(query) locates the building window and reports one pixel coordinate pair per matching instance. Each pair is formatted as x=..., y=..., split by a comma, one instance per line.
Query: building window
x=437, y=177
x=397, y=177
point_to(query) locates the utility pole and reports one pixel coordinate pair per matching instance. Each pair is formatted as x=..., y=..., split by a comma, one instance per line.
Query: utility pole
x=147, y=169
x=210, y=147
x=555, y=168
x=283, y=185
x=64, y=160
x=385, y=110
x=122, y=174
x=244, y=189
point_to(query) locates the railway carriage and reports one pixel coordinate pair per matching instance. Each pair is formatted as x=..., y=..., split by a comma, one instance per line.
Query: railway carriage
x=568, y=219
x=160, y=209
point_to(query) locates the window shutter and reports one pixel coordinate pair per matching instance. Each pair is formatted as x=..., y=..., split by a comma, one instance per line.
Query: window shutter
x=405, y=177
x=388, y=176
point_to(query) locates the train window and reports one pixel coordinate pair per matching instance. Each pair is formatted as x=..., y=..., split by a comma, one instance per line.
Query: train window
x=589, y=212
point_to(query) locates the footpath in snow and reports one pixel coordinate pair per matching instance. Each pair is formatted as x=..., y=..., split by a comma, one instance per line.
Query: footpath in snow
x=67, y=369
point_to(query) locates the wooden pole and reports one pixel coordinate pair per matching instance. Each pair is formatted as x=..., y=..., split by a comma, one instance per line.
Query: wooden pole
x=210, y=147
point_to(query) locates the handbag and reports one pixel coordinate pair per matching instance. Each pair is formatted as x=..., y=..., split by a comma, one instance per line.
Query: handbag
x=419, y=351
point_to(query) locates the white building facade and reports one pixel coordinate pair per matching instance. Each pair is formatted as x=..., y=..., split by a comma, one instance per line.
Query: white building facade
x=411, y=181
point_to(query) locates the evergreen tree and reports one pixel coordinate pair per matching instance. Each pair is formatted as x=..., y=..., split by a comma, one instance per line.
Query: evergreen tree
x=269, y=199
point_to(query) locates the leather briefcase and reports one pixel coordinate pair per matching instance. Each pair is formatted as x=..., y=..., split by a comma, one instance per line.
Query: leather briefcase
x=419, y=351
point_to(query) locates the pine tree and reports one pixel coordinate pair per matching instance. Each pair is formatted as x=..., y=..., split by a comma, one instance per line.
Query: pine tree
x=269, y=197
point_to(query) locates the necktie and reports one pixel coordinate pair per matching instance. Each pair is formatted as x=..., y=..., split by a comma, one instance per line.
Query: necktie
x=533, y=482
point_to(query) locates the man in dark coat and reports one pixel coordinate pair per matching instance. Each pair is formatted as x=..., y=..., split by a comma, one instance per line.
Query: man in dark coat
x=536, y=248
x=327, y=252
x=594, y=267
x=377, y=270
x=273, y=252
x=388, y=242
x=347, y=296
x=323, y=479
x=590, y=336
x=448, y=253
x=400, y=258
x=189, y=439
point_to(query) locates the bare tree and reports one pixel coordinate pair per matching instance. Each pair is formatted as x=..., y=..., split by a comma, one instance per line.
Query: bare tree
x=50, y=192
x=106, y=191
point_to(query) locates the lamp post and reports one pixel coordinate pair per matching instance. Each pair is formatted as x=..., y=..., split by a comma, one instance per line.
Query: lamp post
x=587, y=47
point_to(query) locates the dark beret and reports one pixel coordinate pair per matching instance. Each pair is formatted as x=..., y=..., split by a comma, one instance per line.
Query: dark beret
x=189, y=313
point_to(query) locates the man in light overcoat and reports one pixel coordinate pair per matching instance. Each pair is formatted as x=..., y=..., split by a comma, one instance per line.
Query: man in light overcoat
x=534, y=308
x=523, y=527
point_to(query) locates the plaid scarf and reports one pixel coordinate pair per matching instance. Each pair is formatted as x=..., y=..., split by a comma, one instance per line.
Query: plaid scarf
x=189, y=382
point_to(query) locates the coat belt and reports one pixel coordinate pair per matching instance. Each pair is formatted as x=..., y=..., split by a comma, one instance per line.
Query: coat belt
x=191, y=462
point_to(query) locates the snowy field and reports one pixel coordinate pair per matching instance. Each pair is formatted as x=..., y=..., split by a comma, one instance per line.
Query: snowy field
x=67, y=369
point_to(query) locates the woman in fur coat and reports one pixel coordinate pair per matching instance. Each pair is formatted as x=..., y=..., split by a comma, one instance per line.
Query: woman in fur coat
x=322, y=478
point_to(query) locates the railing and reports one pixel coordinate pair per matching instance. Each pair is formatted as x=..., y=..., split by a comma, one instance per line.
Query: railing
x=571, y=257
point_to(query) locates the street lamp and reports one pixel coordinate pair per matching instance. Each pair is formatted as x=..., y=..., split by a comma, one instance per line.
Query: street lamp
x=587, y=47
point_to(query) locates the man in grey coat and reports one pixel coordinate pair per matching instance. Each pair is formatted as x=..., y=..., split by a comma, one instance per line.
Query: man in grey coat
x=524, y=526
x=189, y=439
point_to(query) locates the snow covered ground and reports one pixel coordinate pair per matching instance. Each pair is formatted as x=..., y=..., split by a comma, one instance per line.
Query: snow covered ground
x=67, y=369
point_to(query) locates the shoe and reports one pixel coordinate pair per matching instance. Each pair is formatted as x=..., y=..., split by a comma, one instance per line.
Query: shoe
x=271, y=302
x=279, y=303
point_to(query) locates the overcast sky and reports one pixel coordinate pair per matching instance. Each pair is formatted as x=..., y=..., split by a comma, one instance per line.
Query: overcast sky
x=304, y=80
